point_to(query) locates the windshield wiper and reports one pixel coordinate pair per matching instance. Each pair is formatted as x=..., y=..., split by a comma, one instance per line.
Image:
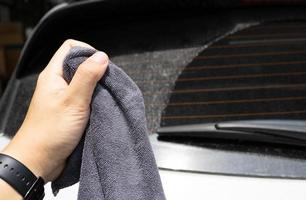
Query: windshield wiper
x=272, y=131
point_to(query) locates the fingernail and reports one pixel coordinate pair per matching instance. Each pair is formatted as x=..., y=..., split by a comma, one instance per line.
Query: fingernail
x=99, y=57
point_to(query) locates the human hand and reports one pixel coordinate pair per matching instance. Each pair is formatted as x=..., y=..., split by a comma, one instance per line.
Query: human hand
x=57, y=115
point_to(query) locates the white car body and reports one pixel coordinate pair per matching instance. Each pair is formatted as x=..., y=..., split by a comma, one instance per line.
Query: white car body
x=195, y=186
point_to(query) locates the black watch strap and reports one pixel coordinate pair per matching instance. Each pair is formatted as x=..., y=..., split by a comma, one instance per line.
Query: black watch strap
x=21, y=178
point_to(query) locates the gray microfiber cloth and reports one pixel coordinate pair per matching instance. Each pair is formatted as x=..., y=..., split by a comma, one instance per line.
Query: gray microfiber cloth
x=114, y=160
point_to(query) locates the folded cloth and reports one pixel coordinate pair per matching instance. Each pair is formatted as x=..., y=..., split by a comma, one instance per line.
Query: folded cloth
x=117, y=161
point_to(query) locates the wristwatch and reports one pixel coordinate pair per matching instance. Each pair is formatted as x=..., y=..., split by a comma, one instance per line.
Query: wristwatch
x=21, y=178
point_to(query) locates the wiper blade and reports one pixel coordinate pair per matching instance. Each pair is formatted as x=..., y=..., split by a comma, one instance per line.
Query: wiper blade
x=281, y=128
x=271, y=131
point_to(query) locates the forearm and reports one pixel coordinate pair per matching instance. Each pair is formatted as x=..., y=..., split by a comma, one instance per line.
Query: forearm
x=7, y=192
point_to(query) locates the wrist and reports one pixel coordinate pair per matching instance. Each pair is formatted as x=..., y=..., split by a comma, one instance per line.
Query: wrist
x=35, y=157
x=21, y=178
x=26, y=158
x=30, y=154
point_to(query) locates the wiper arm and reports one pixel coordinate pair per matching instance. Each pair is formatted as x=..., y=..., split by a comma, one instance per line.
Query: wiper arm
x=272, y=131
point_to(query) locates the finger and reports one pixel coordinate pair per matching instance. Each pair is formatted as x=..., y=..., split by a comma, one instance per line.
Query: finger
x=84, y=81
x=56, y=63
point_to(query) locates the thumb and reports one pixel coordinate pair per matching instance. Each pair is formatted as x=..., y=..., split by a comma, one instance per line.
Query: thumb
x=84, y=81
